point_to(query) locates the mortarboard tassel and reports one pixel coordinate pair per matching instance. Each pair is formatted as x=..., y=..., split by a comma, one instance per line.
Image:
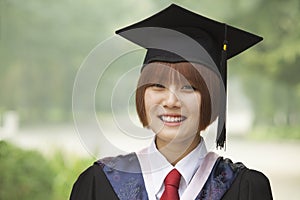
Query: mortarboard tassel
x=221, y=138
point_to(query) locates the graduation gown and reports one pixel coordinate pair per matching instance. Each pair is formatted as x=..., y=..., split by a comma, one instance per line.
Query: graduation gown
x=227, y=181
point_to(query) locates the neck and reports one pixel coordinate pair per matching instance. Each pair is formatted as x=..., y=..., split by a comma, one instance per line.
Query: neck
x=175, y=151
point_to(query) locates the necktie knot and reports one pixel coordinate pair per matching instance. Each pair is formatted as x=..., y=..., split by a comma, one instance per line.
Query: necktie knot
x=171, y=183
x=173, y=178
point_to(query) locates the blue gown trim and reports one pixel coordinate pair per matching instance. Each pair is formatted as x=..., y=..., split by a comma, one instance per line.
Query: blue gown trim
x=220, y=179
x=125, y=177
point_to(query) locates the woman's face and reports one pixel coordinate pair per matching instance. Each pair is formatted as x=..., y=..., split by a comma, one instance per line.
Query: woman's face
x=172, y=111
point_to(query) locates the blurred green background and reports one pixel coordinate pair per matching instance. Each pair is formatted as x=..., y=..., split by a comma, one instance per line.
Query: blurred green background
x=43, y=44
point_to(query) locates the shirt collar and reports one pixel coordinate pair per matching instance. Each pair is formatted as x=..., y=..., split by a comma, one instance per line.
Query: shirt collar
x=160, y=167
x=190, y=163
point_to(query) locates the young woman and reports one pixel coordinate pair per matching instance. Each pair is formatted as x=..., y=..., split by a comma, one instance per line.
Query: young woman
x=179, y=94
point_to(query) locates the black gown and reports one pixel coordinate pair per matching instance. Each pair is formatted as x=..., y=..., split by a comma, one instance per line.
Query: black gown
x=93, y=184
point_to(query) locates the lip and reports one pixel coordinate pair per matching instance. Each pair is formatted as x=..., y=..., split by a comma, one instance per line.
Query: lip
x=172, y=119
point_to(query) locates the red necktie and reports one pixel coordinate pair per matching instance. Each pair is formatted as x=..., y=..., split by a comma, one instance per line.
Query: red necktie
x=171, y=186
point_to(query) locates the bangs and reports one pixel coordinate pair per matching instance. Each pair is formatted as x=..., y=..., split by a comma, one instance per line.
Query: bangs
x=171, y=73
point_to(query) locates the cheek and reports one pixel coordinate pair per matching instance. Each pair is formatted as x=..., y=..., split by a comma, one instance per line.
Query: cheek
x=198, y=102
x=149, y=102
x=152, y=103
x=194, y=106
x=151, y=99
x=192, y=102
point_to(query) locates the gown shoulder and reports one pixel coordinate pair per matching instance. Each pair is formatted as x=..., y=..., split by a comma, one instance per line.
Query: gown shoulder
x=92, y=184
x=249, y=185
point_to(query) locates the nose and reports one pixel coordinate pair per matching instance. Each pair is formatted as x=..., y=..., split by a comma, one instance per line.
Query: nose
x=171, y=99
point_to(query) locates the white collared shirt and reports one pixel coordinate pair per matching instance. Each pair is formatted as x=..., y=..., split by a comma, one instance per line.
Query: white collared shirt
x=155, y=168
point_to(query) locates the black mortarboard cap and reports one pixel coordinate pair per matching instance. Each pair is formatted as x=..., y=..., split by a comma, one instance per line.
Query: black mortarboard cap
x=176, y=34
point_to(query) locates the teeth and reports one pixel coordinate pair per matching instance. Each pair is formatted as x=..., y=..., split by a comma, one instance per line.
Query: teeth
x=172, y=119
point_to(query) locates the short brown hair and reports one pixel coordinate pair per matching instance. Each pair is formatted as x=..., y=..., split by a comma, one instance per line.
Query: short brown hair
x=161, y=72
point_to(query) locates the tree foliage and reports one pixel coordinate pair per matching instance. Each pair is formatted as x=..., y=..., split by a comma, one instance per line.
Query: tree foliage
x=271, y=76
x=29, y=175
x=24, y=174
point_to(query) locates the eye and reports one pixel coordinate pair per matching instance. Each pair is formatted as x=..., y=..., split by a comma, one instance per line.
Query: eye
x=188, y=88
x=157, y=85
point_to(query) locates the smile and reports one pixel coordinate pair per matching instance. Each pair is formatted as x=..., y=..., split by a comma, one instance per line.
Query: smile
x=172, y=119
